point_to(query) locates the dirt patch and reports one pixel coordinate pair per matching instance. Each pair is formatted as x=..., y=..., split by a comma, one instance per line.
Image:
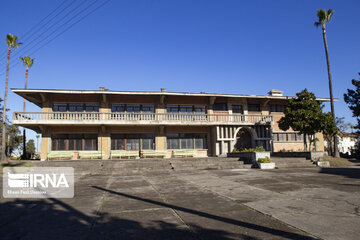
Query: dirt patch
x=338, y=162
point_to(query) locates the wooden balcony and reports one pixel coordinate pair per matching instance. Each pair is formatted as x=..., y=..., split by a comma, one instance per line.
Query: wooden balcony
x=97, y=118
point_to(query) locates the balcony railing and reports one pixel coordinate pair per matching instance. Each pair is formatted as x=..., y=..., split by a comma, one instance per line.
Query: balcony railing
x=131, y=118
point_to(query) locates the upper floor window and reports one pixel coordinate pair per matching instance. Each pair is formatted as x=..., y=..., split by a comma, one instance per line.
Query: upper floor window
x=60, y=107
x=220, y=107
x=148, y=108
x=277, y=108
x=91, y=107
x=254, y=107
x=199, y=109
x=185, y=109
x=237, y=109
x=75, y=107
x=132, y=108
x=118, y=107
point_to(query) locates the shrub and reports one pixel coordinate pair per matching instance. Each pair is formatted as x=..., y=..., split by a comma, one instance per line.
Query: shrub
x=264, y=160
x=244, y=150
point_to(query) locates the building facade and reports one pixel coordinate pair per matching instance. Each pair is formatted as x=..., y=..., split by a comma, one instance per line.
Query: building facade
x=109, y=121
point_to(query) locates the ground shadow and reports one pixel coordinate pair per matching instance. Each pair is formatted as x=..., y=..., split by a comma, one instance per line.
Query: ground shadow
x=251, y=226
x=346, y=172
x=54, y=219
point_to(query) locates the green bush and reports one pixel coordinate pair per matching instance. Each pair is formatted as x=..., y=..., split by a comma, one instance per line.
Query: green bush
x=264, y=160
x=244, y=150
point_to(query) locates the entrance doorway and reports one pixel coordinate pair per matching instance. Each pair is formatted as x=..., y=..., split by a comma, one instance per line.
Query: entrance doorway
x=244, y=139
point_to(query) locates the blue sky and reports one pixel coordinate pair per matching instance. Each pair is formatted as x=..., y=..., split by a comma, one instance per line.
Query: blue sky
x=222, y=46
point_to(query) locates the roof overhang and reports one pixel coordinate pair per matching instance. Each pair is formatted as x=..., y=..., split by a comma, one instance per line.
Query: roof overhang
x=37, y=96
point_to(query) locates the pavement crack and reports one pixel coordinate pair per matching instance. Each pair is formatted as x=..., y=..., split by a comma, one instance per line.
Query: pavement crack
x=163, y=198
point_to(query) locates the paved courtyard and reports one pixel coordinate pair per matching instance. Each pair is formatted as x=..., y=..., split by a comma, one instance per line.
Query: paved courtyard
x=111, y=203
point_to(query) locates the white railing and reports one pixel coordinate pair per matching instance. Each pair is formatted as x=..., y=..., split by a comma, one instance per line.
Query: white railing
x=28, y=117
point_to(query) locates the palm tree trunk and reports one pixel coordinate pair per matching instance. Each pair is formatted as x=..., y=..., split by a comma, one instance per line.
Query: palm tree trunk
x=24, y=131
x=336, y=150
x=3, y=146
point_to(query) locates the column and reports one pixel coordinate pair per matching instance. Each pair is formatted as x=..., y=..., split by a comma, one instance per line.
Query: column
x=160, y=138
x=45, y=143
x=104, y=142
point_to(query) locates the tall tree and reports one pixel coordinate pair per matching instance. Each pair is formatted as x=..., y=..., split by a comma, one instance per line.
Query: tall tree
x=325, y=17
x=13, y=135
x=11, y=41
x=30, y=145
x=352, y=98
x=304, y=114
x=28, y=62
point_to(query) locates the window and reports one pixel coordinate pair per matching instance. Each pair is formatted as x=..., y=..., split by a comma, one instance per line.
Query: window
x=132, y=108
x=60, y=107
x=237, y=109
x=254, y=107
x=186, y=108
x=73, y=142
x=147, y=108
x=172, y=108
x=220, y=107
x=277, y=108
x=287, y=137
x=186, y=141
x=199, y=109
x=91, y=107
x=118, y=107
x=75, y=107
x=132, y=141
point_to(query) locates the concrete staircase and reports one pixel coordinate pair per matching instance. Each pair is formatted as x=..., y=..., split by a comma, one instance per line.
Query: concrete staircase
x=147, y=165
x=285, y=162
x=132, y=166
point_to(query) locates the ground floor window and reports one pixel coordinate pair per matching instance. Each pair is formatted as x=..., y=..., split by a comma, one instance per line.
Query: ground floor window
x=186, y=141
x=132, y=141
x=288, y=137
x=68, y=142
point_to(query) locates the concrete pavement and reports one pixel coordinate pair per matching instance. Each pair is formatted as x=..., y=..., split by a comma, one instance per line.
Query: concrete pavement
x=112, y=203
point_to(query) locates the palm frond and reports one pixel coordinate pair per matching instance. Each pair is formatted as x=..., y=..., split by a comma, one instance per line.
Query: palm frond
x=27, y=61
x=323, y=16
x=329, y=15
x=11, y=41
x=317, y=24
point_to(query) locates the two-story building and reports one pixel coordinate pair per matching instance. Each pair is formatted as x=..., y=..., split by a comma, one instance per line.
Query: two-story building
x=107, y=121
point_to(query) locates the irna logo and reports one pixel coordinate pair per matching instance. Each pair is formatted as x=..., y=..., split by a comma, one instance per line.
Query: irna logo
x=18, y=180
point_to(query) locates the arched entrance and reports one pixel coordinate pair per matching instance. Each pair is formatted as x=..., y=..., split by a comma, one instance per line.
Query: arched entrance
x=244, y=139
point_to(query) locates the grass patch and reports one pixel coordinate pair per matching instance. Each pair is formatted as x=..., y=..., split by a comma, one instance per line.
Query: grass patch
x=338, y=162
x=16, y=164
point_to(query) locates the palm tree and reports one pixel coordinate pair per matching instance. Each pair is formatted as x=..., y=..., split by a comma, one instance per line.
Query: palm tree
x=28, y=62
x=325, y=17
x=11, y=41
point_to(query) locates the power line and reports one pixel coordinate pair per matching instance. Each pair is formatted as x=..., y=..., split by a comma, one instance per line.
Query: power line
x=49, y=28
x=36, y=25
x=65, y=30
x=43, y=39
x=57, y=29
x=41, y=27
